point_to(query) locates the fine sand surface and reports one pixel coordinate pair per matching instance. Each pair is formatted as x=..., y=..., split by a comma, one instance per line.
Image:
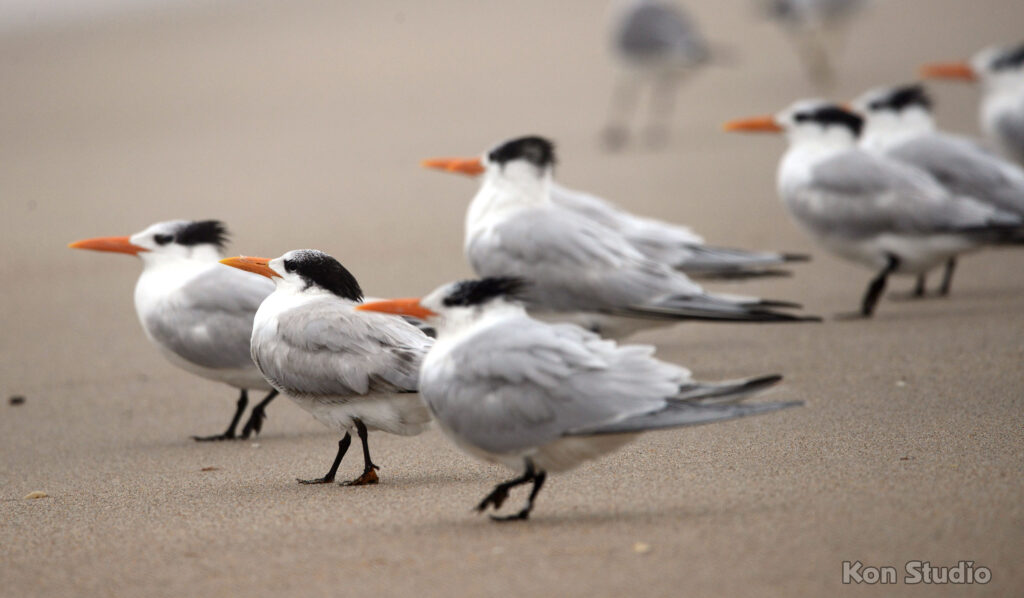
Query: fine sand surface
x=301, y=125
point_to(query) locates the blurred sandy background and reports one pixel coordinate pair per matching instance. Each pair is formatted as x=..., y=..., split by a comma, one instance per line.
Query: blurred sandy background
x=301, y=125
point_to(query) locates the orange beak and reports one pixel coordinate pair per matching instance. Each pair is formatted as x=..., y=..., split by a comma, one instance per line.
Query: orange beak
x=467, y=166
x=401, y=307
x=256, y=265
x=949, y=70
x=756, y=124
x=112, y=244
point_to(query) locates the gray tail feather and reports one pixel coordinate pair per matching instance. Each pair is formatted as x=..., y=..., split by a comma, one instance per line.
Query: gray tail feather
x=679, y=414
x=722, y=392
x=711, y=309
x=729, y=263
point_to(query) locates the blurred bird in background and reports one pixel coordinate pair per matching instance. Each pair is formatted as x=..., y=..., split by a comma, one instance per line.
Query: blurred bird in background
x=1001, y=72
x=899, y=125
x=817, y=30
x=198, y=312
x=658, y=46
x=886, y=215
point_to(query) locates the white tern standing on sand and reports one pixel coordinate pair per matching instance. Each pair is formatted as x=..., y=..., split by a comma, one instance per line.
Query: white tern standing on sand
x=352, y=371
x=886, y=215
x=540, y=398
x=196, y=311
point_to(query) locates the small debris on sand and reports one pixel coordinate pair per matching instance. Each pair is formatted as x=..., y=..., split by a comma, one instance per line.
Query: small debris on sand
x=641, y=547
x=16, y=400
x=36, y=494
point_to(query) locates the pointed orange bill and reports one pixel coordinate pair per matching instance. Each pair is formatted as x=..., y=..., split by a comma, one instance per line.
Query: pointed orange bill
x=256, y=265
x=402, y=307
x=756, y=124
x=949, y=70
x=112, y=244
x=467, y=166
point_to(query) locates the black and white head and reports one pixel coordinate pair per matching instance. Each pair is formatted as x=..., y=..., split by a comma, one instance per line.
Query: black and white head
x=310, y=270
x=525, y=159
x=820, y=121
x=196, y=239
x=458, y=305
x=996, y=65
x=903, y=108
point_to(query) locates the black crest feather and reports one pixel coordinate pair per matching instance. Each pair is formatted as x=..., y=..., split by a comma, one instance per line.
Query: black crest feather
x=902, y=97
x=318, y=268
x=534, y=149
x=1010, y=59
x=833, y=115
x=482, y=290
x=200, y=232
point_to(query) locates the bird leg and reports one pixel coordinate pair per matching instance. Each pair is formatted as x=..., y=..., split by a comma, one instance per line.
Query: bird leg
x=624, y=97
x=919, y=288
x=947, y=277
x=342, y=449
x=877, y=287
x=369, y=475
x=229, y=434
x=524, y=514
x=662, y=105
x=498, y=496
x=875, y=290
x=255, y=423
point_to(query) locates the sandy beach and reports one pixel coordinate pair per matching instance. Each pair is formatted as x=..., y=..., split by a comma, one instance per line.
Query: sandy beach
x=301, y=124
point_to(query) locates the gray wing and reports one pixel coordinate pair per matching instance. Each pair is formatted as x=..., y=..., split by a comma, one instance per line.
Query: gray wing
x=1011, y=131
x=522, y=383
x=656, y=30
x=856, y=195
x=642, y=232
x=208, y=321
x=672, y=244
x=327, y=349
x=574, y=264
x=965, y=169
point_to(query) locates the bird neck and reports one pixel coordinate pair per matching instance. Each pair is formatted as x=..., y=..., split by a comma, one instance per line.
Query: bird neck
x=884, y=130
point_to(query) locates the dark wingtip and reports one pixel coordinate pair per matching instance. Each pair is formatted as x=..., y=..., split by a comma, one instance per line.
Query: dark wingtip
x=796, y=257
x=737, y=274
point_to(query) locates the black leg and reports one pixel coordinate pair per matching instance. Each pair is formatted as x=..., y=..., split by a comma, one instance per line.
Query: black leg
x=947, y=277
x=663, y=96
x=229, y=434
x=538, y=482
x=342, y=449
x=877, y=287
x=255, y=423
x=369, y=474
x=919, y=288
x=498, y=496
x=624, y=96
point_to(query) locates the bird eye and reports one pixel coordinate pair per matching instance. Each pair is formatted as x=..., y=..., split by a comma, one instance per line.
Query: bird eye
x=288, y=266
x=876, y=105
x=163, y=239
x=801, y=117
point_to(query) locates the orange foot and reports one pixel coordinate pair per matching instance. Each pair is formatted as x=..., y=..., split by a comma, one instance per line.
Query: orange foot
x=369, y=477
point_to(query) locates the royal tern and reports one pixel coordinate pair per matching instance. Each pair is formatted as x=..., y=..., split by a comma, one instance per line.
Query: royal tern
x=677, y=246
x=1001, y=71
x=198, y=312
x=891, y=217
x=542, y=398
x=579, y=270
x=352, y=371
x=899, y=124
x=658, y=45
x=817, y=29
